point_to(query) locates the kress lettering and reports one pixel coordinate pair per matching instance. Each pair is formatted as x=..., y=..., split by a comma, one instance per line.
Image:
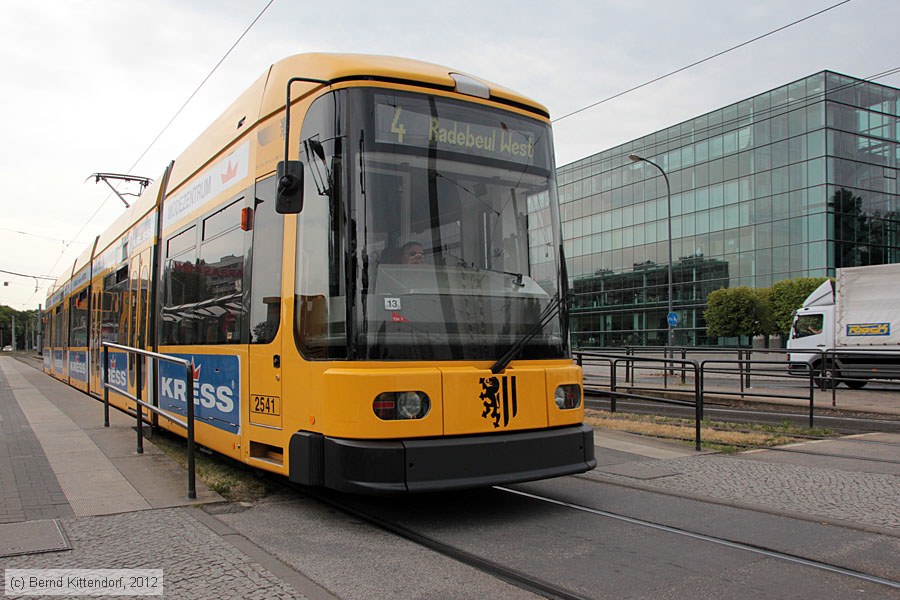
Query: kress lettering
x=118, y=378
x=205, y=394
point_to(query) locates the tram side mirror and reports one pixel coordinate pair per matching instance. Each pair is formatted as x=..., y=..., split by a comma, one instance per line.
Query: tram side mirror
x=289, y=199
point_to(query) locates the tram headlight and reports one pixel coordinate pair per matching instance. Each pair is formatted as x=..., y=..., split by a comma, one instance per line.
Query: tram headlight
x=568, y=396
x=392, y=406
x=410, y=405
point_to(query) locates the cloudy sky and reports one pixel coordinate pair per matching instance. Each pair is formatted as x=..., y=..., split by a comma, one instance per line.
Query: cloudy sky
x=88, y=85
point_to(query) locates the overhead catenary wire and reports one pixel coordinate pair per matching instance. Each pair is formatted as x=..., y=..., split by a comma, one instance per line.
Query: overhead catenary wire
x=29, y=276
x=656, y=148
x=175, y=116
x=37, y=284
x=699, y=62
x=44, y=237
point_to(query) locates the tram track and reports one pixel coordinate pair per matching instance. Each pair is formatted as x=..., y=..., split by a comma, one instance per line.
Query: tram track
x=838, y=421
x=754, y=549
x=530, y=583
x=793, y=449
x=541, y=586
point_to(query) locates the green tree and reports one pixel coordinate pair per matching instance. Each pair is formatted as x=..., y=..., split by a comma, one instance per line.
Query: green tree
x=22, y=319
x=733, y=312
x=766, y=313
x=787, y=296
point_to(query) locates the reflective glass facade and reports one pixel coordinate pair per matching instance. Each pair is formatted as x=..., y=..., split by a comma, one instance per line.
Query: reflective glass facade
x=794, y=182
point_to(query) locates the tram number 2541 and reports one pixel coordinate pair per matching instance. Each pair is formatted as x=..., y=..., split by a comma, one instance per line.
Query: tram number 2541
x=266, y=405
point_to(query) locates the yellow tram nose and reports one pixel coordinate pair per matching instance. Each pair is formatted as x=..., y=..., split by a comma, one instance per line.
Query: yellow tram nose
x=451, y=400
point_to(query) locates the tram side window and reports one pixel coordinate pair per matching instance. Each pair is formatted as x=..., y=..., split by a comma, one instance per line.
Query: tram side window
x=222, y=313
x=179, y=290
x=203, y=287
x=78, y=319
x=59, y=327
x=265, y=287
x=115, y=287
x=47, y=339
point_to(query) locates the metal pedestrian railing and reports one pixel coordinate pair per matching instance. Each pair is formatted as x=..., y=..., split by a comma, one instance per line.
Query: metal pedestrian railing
x=772, y=369
x=628, y=364
x=140, y=404
x=684, y=381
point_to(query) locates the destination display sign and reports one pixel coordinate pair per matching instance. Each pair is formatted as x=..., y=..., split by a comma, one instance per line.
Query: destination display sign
x=443, y=126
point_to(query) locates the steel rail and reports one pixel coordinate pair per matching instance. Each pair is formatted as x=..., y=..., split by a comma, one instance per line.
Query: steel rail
x=750, y=413
x=783, y=556
x=512, y=576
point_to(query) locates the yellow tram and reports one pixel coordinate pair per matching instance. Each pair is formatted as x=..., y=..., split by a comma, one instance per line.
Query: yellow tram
x=370, y=287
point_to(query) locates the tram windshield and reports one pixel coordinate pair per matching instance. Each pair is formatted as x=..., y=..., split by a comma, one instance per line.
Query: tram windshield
x=450, y=230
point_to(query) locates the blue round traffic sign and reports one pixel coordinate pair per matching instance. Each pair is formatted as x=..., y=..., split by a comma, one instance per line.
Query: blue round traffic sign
x=672, y=318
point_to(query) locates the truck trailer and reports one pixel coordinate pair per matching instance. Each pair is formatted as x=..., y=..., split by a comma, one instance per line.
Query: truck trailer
x=849, y=330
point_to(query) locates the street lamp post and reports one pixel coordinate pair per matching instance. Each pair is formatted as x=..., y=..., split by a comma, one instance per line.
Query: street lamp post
x=670, y=340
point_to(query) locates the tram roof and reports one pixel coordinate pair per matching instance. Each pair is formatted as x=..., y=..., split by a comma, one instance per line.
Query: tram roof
x=266, y=96
x=348, y=67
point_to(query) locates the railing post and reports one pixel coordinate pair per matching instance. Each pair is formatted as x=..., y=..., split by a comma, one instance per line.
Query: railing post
x=698, y=401
x=834, y=380
x=140, y=409
x=629, y=365
x=811, y=386
x=106, y=386
x=749, y=366
x=702, y=388
x=683, y=370
x=192, y=484
x=612, y=385
x=666, y=366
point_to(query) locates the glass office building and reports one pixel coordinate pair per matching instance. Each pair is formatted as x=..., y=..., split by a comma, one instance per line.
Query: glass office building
x=794, y=182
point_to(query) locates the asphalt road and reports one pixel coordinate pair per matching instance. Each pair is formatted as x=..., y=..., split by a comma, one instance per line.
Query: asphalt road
x=602, y=555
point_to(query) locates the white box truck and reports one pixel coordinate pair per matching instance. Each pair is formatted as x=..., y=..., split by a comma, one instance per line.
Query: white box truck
x=853, y=331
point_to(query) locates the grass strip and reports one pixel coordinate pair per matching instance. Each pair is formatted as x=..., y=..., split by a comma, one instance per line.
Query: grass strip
x=230, y=479
x=714, y=435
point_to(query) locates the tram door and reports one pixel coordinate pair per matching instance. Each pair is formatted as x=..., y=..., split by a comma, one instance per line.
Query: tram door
x=266, y=409
x=138, y=314
x=95, y=339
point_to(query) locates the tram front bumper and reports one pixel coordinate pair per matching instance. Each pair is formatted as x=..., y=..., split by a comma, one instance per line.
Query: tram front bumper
x=439, y=464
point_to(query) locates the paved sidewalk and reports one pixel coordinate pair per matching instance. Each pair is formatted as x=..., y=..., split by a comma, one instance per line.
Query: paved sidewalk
x=76, y=495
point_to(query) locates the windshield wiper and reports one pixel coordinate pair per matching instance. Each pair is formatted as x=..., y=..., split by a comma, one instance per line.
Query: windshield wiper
x=517, y=277
x=547, y=315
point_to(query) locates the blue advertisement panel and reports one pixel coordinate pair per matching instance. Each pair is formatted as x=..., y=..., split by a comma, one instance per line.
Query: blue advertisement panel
x=217, y=389
x=78, y=365
x=59, y=357
x=118, y=371
x=47, y=361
